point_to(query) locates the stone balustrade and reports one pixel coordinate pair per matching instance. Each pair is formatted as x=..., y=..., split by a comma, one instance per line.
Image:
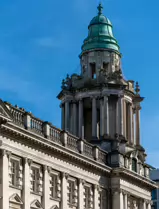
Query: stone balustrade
x=47, y=130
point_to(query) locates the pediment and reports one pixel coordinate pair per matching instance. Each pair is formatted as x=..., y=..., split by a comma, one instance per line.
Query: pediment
x=4, y=112
x=36, y=205
x=54, y=207
x=15, y=199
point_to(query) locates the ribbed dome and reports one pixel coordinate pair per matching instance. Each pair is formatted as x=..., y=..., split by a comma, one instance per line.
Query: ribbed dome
x=100, y=35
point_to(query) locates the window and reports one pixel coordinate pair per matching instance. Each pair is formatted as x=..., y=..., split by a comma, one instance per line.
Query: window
x=93, y=70
x=134, y=165
x=88, y=197
x=71, y=189
x=53, y=185
x=35, y=177
x=154, y=194
x=102, y=201
x=105, y=65
x=14, y=173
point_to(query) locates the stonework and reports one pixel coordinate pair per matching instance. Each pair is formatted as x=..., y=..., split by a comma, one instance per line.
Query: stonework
x=95, y=161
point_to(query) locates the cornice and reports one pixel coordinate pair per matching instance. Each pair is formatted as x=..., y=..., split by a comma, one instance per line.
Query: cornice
x=16, y=133
x=134, y=177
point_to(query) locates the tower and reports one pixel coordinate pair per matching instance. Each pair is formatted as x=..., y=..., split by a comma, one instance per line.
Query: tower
x=100, y=105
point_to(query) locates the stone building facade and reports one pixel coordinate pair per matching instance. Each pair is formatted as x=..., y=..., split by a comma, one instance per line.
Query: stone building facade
x=95, y=161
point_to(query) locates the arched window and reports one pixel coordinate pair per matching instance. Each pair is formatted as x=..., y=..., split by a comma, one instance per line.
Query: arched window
x=134, y=165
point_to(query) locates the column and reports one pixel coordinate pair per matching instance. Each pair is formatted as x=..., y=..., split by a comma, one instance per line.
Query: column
x=120, y=119
x=64, y=191
x=130, y=123
x=74, y=118
x=71, y=117
x=125, y=118
x=26, y=183
x=5, y=179
x=94, y=118
x=144, y=205
x=67, y=116
x=125, y=201
x=106, y=116
x=81, y=191
x=96, y=197
x=62, y=116
x=149, y=205
x=117, y=200
x=133, y=126
x=80, y=118
x=117, y=117
x=138, y=125
x=101, y=118
x=46, y=191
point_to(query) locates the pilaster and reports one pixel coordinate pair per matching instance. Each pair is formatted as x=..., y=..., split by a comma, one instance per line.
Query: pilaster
x=45, y=198
x=64, y=191
x=138, y=125
x=62, y=116
x=96, y=197
x=101, y=117
x=26, y=183
x=117, y=199
x=67, y=116
x=81, y=192
x=5, y=178
x=74, y=118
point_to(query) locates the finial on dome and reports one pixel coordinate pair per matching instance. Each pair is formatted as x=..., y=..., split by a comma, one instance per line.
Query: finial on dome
x=100, y=8
x=137, y=89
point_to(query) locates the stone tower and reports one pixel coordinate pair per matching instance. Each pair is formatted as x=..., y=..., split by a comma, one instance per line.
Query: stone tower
x=99, y=105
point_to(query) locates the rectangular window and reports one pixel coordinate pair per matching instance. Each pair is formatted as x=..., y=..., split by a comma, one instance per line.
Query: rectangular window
x=35, y=177
x=54, y=186
x=14, y=173
x=93, y=70
x=88, y=197
x=71, y=189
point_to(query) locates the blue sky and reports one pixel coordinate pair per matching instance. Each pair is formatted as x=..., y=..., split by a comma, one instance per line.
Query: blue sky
x=40, y=42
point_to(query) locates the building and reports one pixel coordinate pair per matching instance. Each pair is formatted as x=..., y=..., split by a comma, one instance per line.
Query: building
x=154, y=175
x=96, y=160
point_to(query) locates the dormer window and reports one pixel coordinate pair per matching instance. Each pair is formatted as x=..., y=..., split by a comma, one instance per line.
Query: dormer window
x=134, y=165
x=93, y=70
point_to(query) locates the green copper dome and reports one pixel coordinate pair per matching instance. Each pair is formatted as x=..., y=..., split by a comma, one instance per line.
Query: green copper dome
x=100, y=35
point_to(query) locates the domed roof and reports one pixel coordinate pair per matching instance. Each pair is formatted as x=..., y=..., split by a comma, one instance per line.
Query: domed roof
x=100, y=35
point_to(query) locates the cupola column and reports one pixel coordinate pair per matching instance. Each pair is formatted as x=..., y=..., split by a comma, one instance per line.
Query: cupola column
x=74, y=117
x=120, y=119
x=67, y=115
x=106, y=116
x=138, y=125
x=94, y=118
x=101, y=117
x=80, y=116
x=62, y=116
x=130, y=123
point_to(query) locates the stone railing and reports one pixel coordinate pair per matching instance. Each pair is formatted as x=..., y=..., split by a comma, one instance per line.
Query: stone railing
x=47, y=130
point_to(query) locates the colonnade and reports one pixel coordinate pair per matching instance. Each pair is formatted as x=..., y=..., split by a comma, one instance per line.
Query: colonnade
x=125, y=111
x=123, y=200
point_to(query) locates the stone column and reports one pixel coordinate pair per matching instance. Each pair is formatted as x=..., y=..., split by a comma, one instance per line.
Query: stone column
x=5, y=179
x=71, y=117
x=117, y=116
x=130, y=123
x=117, y=200
x=101, y=118
x=125, y=201
x=67, y=115
x=149, y=205
x=120, y=119
x=133, y=128
x=125, y=118
x=26, y=183
x=80, y=116
x=138, y=125
x=74, y=118
x=62, y=116
x=106, y=116
x=96, y=197
x=80, y=191
x=64, y=191
x=46, y=191
x=94, y=118
x=144, y=205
